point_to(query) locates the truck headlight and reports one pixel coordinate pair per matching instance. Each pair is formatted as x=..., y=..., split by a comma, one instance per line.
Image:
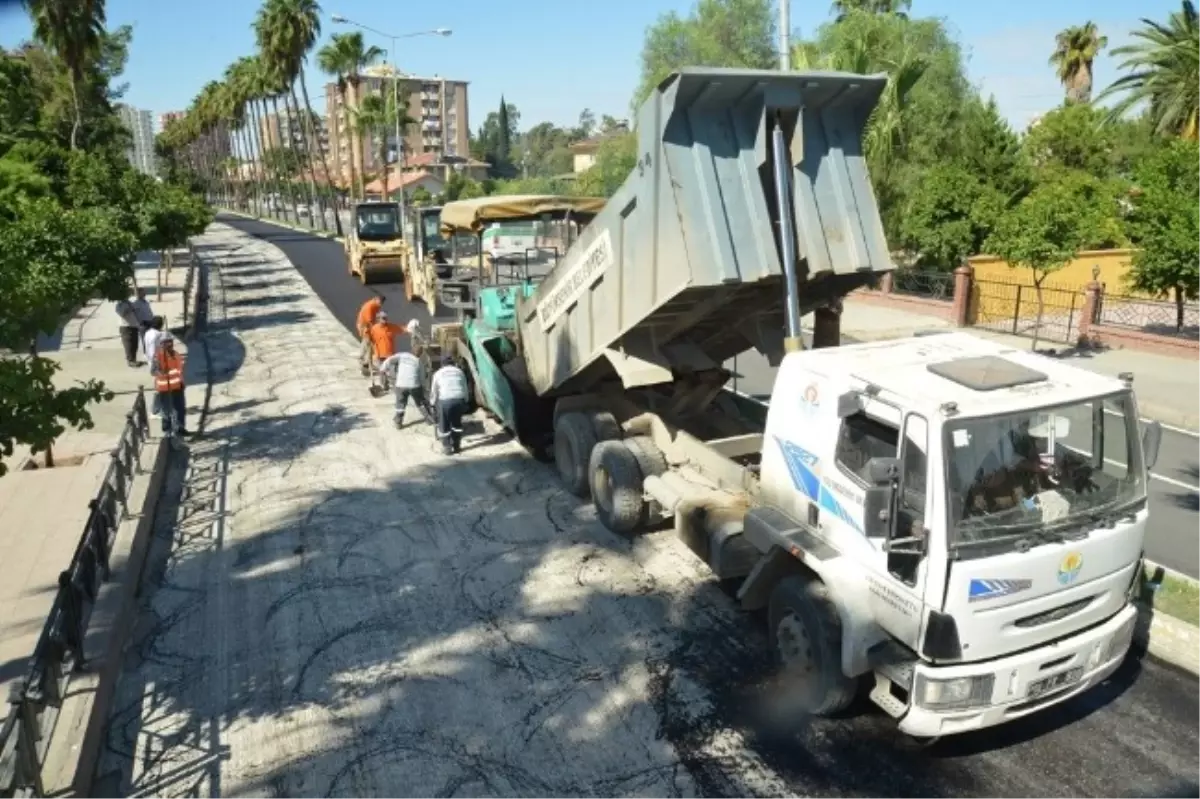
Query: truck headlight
x=957, y=692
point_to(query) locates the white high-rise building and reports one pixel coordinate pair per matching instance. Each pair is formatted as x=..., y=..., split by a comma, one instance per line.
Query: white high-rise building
x=141, y=124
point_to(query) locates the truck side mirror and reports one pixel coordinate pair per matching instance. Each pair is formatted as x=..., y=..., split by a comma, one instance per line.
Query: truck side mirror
x=1151, y=441
x=879, y=502
x=848, y=404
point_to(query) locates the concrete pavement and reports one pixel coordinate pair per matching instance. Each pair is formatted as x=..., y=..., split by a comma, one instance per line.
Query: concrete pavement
x=335, y=608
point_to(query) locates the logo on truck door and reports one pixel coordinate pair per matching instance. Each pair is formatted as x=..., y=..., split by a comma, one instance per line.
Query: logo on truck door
x=804, y=468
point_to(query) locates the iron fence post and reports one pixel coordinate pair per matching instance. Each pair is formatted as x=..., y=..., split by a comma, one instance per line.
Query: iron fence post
x=29, y=770
x=1016, y=311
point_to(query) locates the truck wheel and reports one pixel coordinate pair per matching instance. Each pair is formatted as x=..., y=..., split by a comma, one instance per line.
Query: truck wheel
x=649, y=457
x=606, y=427
x=573, y=445
x=616, y=484
x=807, y=635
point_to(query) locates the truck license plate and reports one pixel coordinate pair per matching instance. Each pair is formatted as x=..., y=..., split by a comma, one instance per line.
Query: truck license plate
x=1048, y=684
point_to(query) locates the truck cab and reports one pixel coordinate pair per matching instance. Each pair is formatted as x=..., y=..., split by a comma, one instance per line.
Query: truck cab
x=975, y=513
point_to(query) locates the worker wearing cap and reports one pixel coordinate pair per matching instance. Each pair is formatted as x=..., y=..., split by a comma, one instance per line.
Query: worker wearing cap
x=406, y=373
x=366, y=317
x=448, y=396
x=169, y=401
x=383, y=335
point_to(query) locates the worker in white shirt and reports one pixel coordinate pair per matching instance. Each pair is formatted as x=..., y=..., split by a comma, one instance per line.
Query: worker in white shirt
x=448, y=396
x=135, y=319
x=150, y=339
x=405, y=372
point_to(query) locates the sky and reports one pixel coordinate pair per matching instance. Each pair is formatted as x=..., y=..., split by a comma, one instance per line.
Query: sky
x=552, y=59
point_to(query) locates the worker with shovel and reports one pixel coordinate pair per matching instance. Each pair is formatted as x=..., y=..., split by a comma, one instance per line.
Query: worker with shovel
x=406, y=373
x=367, y=316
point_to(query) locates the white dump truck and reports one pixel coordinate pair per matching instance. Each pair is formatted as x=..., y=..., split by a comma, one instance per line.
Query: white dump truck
x=952, y=525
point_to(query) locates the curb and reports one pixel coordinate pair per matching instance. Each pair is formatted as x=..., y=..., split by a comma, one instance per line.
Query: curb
x=79, y=737
x=1166, y=637
x=324, y=234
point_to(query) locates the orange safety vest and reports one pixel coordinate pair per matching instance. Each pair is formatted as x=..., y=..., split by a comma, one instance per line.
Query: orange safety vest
x=367, y=313
x=170, y=373
x=383, y=338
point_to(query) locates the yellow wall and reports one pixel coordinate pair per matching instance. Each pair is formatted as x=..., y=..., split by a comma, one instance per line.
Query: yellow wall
x=1114, y=265
x=995, y=289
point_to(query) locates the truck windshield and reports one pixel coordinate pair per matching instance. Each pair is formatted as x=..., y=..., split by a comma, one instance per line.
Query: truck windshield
x=1042, y=471
x=378, y=223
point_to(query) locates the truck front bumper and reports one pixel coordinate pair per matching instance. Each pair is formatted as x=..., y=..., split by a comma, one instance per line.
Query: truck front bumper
x=1087, y=659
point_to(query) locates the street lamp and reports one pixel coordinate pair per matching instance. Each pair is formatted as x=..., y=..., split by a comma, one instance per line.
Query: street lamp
x=340, y=20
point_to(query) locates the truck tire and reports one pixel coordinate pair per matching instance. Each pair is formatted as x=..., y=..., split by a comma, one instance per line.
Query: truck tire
x=573, y=445
x=616, y=483
x=606, y=427
x=806, y=633
x=649, y=457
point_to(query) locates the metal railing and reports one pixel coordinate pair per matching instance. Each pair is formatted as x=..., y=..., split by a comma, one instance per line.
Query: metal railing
x=924, y=283
x=1158, y=317
x=35, y=702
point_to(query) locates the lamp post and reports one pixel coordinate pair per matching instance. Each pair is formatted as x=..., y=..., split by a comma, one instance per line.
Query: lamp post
x=339, y=19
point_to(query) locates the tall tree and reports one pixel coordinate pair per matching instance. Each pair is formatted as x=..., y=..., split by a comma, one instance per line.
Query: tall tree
x=1075, y=50
x=717, y=33
x=376, y=118
x=844, y=8
x=74, y=30
x=280, y=29
x=1163, y=73
x=1165, y=224
x=505, y=134
x=345, y=57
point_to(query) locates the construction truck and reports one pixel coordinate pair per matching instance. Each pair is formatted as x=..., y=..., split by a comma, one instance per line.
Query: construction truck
x=376, y=251
x=953, y=526
x=467, y=228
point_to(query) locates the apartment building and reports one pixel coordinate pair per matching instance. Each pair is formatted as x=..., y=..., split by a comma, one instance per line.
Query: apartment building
x=166, y=118
x=141, y=124
x=439, y=106
x=289, y=127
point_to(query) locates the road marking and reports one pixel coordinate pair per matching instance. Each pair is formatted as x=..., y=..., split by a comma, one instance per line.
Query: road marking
x=1163, y=425
x=1154, y=475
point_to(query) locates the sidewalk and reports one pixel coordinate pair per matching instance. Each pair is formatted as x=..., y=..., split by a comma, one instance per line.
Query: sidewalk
x=43, y=511
x=1168, y=389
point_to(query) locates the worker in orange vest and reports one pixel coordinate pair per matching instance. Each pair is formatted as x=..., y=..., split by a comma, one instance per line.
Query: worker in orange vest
x=169, y=401
x=383, y=337
x=366, y=317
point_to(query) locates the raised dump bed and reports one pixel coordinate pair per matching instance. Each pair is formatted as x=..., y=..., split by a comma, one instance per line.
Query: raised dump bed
x=684, y=267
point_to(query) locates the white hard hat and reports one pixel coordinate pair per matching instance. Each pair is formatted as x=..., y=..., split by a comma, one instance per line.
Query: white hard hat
x=414, y=324
x=381, y=315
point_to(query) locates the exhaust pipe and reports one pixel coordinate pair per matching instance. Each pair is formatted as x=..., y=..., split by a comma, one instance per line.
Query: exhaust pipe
x=787, y=237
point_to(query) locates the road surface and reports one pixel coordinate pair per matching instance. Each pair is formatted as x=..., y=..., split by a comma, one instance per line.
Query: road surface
x=1174, y=493
x=334, y=612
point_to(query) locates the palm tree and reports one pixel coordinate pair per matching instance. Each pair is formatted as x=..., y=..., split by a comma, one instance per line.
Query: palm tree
x=289, y=31
x=345, y=57
x=73, y=30
x=1163, y=74
x=1075, y=50
x=376, y=116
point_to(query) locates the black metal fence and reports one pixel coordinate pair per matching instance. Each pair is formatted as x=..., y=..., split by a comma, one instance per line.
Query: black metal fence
x=1013, y=308
x=35, y=702
x=1160, y=317
x=195, y=293
x=924, y=283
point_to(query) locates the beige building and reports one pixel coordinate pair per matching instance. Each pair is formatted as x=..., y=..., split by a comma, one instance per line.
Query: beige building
x=438, y=105
x=275, y=129
x=584, y=152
